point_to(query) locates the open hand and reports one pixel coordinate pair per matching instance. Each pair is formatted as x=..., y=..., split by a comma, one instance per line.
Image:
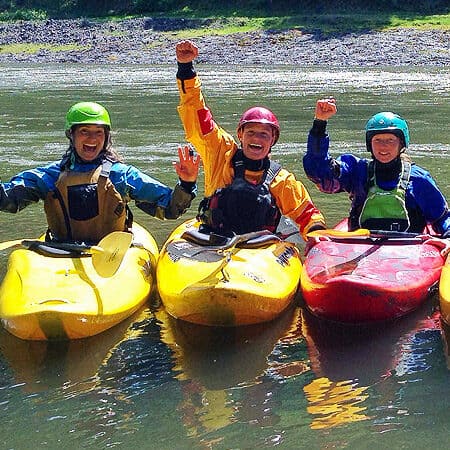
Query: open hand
x=186, y=51
x=188, y=164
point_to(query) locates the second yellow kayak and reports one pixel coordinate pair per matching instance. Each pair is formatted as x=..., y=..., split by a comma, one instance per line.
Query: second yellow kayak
x=226, y=284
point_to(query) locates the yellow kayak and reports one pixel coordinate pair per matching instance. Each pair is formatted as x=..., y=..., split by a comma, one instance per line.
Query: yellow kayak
x=243, y=280
x=444, y=292
x=46, y=297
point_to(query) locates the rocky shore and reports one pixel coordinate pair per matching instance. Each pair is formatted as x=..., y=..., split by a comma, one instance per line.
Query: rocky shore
x=151, y=41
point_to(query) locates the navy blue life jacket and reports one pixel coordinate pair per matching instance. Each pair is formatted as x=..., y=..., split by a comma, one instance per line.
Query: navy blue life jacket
x=242, y=206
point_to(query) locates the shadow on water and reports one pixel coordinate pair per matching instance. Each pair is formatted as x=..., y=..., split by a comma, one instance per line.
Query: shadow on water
x=371, y=352
x=446, y=342
x=353, y=365
x=45, y=365
x=218, y=357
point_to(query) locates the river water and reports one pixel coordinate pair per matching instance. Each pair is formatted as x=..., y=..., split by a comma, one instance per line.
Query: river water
x=152, y=382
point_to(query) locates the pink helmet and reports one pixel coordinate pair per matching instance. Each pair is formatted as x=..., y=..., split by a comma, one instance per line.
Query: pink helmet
x=259, y=114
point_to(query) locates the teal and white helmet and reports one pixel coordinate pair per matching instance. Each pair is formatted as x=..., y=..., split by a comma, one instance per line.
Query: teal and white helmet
x=387, y=122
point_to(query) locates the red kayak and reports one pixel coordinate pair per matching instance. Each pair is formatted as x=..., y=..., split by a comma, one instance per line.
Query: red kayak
x=363, y=276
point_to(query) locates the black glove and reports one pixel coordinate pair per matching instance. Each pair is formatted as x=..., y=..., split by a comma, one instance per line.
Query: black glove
x=319, y=128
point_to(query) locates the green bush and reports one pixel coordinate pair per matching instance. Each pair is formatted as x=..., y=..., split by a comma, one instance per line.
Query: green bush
x=198, y=8
x=23, y=14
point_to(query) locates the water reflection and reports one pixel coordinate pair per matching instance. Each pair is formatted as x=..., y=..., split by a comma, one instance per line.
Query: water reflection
x=220, y=357
x=445, y=334
x=98, y=390
x=353, y=363
x=39, y=366
x=371, y=352
x=212, y=362
x=334, y=403
x=294, y=382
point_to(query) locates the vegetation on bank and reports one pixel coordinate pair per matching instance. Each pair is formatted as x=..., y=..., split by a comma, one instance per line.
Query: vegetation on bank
x=34, y=48
x=235, y=15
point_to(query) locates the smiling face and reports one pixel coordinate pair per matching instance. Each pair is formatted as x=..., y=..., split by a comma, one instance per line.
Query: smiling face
x=386, y=147
x=89, y=141
x=256, y=139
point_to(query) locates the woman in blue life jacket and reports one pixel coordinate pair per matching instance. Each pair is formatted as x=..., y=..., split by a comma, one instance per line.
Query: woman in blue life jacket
x=86, y=194
x=388, y=191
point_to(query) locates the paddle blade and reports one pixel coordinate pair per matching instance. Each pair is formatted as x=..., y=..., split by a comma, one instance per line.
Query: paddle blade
x=10, y=244
x=113, y=247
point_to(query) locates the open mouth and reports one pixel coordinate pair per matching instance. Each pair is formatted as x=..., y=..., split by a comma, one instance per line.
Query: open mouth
x=89, y=148
x=255, y=148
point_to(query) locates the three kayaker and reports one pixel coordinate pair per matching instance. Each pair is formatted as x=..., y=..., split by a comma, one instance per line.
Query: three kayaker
x=86, y=194
x=245, y=190
x=388, y=191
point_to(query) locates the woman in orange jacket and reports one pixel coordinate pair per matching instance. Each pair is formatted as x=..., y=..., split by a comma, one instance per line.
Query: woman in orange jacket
x=245, y=190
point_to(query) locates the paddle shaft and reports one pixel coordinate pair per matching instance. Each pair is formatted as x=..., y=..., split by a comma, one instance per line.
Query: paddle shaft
x=70, y=247
x=362, y=233
x=237, y=239
x=349, y=266
x=107, y=255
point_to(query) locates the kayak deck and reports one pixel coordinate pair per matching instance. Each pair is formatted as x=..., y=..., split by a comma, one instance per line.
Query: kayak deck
x=226, y=287
x=43, y=298
x=347, y=281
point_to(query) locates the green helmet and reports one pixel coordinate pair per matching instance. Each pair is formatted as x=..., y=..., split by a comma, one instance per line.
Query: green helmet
x=387, y=122
x=88, y=113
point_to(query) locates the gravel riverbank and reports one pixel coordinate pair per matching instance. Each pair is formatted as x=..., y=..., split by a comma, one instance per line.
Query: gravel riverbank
x=151, y=41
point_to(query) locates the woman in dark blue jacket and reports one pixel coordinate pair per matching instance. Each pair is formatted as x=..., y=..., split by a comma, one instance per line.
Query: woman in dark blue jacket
x=388, y=191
